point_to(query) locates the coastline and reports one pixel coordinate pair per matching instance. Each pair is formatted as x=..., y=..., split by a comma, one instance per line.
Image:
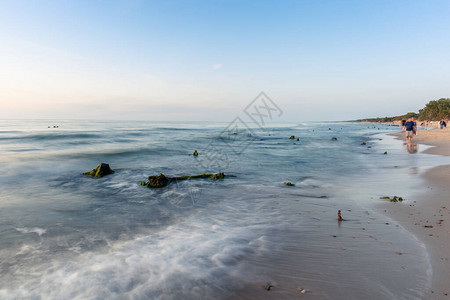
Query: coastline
x=427, y=214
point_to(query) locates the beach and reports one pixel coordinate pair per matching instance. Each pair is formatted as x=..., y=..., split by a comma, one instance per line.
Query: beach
x=427, y=215
x=67, y=235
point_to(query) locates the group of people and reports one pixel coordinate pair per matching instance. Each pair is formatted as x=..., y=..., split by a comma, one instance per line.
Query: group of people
x=410, y=127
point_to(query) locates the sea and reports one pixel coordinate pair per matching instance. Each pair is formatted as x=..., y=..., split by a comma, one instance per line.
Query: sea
x=64, y=235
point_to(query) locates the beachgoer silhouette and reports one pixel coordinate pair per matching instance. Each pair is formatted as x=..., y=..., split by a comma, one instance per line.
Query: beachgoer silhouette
x=409, y=129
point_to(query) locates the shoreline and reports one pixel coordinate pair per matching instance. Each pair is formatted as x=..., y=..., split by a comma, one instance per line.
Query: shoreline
x=427, y=214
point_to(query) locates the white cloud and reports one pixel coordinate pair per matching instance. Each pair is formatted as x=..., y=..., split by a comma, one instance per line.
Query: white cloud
x=217, y=66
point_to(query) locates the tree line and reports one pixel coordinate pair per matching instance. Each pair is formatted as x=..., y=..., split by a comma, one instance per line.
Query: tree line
x=434, y=110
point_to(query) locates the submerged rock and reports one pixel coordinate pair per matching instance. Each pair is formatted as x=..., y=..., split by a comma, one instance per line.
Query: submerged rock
x=393, y=199
x=101, y=170
x=158, y=181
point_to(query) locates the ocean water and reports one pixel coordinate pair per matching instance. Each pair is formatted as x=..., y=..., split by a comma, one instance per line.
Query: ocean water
x=64, y=235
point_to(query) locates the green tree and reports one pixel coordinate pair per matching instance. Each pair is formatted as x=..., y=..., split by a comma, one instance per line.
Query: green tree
x=436, y=110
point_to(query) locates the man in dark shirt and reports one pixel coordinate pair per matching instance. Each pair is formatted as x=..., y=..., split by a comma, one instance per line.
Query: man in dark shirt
x=409, y=128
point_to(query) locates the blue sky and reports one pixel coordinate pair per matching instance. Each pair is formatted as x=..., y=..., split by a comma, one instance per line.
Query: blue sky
x=206, y=60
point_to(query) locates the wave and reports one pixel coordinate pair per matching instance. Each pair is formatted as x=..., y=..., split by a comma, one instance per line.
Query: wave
x=37, y=230
x=188, y=260
x=53, y=136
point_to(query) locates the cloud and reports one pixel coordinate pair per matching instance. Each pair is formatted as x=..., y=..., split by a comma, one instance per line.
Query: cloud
x=217, y=66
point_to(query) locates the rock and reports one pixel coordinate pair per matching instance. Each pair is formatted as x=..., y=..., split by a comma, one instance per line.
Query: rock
x=157, y=181
x=302, y=290
x=288, y=183
x=101, y=170
x=393, y=199
x=334, y=138
x=217, y=176
x=268, y=286
x=195, y=153
x=292, y=137
x=208, y=176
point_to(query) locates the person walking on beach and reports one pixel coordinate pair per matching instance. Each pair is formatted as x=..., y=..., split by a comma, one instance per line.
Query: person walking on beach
x=415, y=126
x=443, y=124
x=409, y=129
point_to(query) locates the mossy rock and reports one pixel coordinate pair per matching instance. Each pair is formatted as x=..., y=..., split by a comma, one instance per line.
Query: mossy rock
x=208, y=176
x=158, y=181
x=393, y=199
x=288, y=183
x=100, y=171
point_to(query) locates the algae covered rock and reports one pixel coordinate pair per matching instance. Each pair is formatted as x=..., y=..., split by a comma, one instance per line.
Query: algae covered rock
x=393, y=199
x=100, y=171
x=157, y=181
x=208, y=176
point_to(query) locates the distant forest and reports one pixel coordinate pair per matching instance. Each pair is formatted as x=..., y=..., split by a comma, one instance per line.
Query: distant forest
x=434, y=110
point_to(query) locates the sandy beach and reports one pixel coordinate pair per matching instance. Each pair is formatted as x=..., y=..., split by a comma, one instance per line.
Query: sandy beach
x=428, y=215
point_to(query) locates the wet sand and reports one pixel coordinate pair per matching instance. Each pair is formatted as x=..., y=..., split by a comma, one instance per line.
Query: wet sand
x=427, y=216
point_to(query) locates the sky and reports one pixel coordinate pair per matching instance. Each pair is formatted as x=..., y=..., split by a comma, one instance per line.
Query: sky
x=207, y=60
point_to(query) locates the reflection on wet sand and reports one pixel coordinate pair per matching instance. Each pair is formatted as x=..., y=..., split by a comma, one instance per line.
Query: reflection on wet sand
x=412, y=147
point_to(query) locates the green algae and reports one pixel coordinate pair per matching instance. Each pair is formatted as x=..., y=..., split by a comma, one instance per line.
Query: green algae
x=100, y=171
x=157, y=181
